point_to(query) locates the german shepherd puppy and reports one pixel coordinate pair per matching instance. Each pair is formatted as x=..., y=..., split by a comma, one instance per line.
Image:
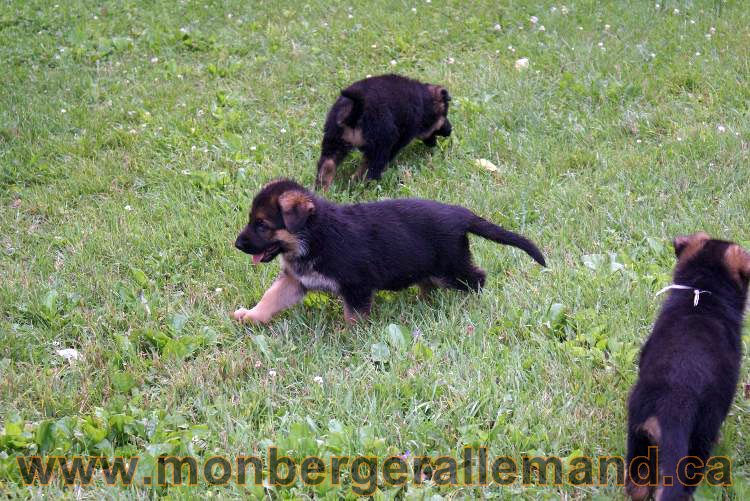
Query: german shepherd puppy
x=380, y=115
x=354, y=250
x=689, y=368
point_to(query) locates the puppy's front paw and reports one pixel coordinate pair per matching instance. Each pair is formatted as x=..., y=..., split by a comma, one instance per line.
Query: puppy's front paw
x=244, y=315
x=239, y=315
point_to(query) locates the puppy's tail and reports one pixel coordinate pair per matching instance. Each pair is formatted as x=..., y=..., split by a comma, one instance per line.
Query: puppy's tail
x=484, y=228
x=357, y=106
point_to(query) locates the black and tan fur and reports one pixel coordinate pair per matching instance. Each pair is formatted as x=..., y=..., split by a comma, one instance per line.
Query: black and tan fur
x=354, y=250
x=380, y=115
x=689, y=367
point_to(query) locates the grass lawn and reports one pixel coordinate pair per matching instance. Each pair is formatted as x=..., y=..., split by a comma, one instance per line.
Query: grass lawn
x=134, y=134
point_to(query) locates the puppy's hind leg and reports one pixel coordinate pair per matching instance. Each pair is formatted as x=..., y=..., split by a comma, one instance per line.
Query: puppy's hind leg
x=326, y=171
x=285, y=291
x=332, y=156
x=673, y=447
x=636, y=487
x=704, y=437
x=469, y=278
x=426, y=287
x=376, y=160
x=357, y=305
x=375, y=167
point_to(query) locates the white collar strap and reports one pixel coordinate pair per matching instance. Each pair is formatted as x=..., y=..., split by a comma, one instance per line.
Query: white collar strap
x=696, y=292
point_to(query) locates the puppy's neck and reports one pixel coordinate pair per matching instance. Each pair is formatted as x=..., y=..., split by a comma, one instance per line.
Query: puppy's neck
x=726, y=298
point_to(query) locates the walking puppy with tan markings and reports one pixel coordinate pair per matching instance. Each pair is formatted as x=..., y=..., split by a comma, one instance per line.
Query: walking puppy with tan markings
x=689, y=368
x=380, y=115
x=354, y=250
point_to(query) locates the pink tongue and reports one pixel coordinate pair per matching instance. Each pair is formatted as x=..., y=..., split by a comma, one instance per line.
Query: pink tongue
x=257, y=258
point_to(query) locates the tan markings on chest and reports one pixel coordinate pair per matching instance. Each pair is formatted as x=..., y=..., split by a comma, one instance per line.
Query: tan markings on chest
x=310, y=279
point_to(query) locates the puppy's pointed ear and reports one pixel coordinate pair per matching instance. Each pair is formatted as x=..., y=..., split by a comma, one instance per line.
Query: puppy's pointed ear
x=439, y=95
x=680, y=244
x=683, y=242
x=296, y=207
x=737, y=260
x=436, y=92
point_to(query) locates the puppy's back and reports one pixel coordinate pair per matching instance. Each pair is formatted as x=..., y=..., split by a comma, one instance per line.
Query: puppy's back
x=415, y=214
x=441, y=227
x=382, y=84
x=400, y=96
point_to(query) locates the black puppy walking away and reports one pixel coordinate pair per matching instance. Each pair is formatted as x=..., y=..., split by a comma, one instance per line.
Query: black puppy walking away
x=380, y=115
x=689, y=368
x=354, y=250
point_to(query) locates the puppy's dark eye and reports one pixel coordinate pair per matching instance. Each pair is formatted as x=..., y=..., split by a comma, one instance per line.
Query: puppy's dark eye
x=260, y=225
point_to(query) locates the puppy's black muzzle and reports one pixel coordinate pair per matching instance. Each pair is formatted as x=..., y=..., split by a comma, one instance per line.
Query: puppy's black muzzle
x=242, y=243
x=445, y=130
x=263, y=253
x=248, y=242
